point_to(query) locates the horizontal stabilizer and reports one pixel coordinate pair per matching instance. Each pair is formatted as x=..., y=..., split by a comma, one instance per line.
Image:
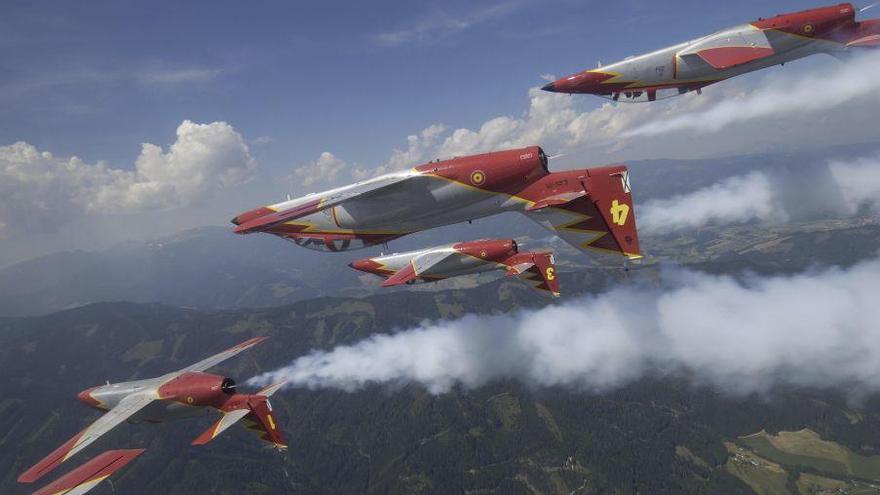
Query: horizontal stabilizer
x=227, y=420
x=871, y=41
x=271, y=389
x=90, y=474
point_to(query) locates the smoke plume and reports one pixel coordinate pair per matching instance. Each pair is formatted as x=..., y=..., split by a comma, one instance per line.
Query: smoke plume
x=814, y=329
x=854, y=79
x=838, y=188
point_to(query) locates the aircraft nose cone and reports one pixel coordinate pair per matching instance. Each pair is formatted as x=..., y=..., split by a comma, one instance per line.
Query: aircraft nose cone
x=582, y=82
x=362, y=265
x=86, y=397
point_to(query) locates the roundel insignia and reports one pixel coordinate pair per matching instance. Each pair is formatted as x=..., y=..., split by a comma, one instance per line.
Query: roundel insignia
x=189, y=400
x=482, y=254
x=809, y=28
x=478, y=177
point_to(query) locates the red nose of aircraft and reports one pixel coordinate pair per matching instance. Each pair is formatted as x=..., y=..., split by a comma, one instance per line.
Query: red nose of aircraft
x=86, y=397
x=582, y=82
x=365, y=265
x=250, y=215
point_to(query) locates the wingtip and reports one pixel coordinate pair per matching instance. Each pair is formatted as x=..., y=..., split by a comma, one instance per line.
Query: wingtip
x=252, y=342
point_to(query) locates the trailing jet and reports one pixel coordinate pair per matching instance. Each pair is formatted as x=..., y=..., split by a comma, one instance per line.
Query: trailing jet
x=696, y=64
x=591, y=209
x=183, y=393
x=464, y=258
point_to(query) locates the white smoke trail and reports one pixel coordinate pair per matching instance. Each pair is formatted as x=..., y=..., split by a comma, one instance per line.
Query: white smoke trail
x=857, y=77
x=737, y=199
x=859, y=182
x=840, y=188
x=813, y=329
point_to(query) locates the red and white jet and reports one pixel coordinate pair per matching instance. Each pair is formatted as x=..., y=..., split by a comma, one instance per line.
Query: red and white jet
x=464, y=258
x=180, y=394
x=592, y=209
x=728, y=53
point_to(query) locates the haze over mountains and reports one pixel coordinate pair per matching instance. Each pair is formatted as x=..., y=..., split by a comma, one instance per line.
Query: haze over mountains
x=672, y=434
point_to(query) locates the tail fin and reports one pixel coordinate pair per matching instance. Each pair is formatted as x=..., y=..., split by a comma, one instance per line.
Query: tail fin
x=598, y=216
x=261, y=421
x=537, y=269
x=256, y=410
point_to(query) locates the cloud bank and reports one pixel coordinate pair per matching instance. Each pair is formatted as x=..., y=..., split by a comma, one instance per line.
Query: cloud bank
x=40, y=189
x=813, y=329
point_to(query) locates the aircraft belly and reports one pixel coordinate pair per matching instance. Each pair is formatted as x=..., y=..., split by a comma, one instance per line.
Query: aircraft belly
x=423, y=213
x=458, y=264
x=412, y=201
x=161, y=411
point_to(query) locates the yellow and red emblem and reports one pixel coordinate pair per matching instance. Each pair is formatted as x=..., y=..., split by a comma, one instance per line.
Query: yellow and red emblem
x=478, y=177
x=809, y=28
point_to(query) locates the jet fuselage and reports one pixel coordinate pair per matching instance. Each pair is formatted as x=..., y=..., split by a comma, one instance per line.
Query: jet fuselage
x=728, y=53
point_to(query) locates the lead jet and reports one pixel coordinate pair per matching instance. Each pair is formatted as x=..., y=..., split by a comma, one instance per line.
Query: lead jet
x=179, y=394
x=749, y=47
x=592, y=209
x=464, y=258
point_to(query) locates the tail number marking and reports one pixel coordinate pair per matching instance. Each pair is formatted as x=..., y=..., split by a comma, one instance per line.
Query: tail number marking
x=619, y=212
x=550, y=273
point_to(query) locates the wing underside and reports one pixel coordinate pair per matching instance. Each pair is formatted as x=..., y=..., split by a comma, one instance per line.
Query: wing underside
x=419, y=266
x=124, y=410
x=322, y=201
x=731, y=48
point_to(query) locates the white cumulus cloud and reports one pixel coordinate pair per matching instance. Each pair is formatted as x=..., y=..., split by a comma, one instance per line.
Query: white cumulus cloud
x=36, y=187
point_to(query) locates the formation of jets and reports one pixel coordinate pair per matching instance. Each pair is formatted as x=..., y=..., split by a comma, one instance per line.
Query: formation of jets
x=590, y=208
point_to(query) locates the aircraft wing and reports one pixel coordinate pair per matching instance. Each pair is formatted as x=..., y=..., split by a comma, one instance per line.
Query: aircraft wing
x=90, y=474
x=731, y=48
x=321, y=201
x=223, y=356
x=420, y=264
x=126, y=408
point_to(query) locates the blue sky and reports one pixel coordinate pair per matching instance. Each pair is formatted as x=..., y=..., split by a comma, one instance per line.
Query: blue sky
x=294, y=80
x=95, y=79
